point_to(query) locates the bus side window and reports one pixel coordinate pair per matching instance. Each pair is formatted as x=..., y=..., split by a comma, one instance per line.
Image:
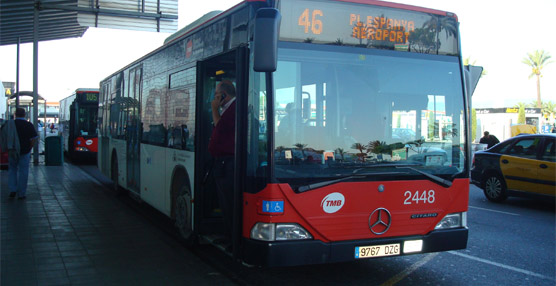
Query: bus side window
x=177, y=137
x=184, y=135
x=157, y=135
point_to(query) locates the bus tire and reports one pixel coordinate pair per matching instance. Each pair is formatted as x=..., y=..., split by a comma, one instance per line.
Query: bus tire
x=181, y=200
x=494, y=188
x=114, y=174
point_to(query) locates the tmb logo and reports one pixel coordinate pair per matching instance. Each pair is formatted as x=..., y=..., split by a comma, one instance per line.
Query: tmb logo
x=332, y=203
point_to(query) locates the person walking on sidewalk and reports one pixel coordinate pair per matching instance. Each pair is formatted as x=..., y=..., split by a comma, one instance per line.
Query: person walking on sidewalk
x=18, y=136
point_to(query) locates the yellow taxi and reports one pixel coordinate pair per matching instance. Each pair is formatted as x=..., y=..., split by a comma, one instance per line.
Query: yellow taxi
x=524, y=165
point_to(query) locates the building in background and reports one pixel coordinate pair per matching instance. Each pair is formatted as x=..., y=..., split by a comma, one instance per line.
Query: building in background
x=6, y=90
x=52, y=112
x=498, y=121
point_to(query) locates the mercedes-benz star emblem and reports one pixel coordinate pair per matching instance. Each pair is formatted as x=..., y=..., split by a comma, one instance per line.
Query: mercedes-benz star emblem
x=380, y=221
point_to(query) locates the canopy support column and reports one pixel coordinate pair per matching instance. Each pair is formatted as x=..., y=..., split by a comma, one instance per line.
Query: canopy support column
x=36, y=78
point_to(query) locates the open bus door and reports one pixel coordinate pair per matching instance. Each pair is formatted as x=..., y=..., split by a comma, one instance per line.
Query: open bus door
x=208, y=213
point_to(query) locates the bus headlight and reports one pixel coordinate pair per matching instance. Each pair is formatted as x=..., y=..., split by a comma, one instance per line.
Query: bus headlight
x=454, y=220
x=81, y=149
x=279, y=231
x=264, y=231
x=291, y=231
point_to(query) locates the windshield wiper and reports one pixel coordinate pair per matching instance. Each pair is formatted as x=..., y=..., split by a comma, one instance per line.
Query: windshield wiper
x=436, y=179
x=378, y=166
x=309, y=187
x=433, y=178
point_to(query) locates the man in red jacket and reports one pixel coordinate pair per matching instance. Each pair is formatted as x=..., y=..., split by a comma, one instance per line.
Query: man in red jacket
x=222, y=146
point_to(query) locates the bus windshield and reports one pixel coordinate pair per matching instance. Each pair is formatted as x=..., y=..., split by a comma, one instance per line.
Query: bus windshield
x=342, y=111
x=87, y=121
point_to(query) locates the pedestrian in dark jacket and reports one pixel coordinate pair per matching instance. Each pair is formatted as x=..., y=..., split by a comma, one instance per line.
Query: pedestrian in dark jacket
x=19, y=136
x=489, y=139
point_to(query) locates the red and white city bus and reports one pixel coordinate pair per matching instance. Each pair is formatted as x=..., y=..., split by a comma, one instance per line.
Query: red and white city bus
x=324, y=90
x=78, y=124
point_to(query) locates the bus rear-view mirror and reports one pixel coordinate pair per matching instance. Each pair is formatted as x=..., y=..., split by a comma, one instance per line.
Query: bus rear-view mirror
x=265, y=40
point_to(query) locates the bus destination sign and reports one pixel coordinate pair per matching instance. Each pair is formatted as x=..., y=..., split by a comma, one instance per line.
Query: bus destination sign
x=352, y=24
x=88, y=97
x=381, y=28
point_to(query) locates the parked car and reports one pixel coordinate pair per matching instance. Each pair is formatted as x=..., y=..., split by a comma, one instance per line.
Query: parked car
x=524, y=165
x=403, y=134
x=429, y=156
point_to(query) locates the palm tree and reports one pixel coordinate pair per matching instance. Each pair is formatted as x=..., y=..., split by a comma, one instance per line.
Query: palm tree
x=532, y=104
x=436, y=24
x=377, y=147
x=521, y=113
x=537, y=61
x=521, y=104
x=548, y=108
x=361, y=149
x=341, y=152
x=422, y=40
x=380, y=147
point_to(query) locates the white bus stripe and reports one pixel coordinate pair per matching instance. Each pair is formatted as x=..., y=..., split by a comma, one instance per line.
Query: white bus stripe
x=527, y=272
x=489, y=210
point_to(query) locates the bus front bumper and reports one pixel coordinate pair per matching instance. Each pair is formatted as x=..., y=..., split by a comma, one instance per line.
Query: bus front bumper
x=302, y=252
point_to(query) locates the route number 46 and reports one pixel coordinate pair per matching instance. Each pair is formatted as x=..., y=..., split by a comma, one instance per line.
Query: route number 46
x=416, y=197
x=312, y=21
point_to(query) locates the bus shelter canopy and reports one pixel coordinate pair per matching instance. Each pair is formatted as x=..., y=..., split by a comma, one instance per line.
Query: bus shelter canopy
x=61, y=19
x=16, y=22
x=25, y=93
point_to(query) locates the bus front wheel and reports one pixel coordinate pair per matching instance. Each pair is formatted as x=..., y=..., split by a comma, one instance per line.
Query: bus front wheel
x=114, y=174
x=182, y=210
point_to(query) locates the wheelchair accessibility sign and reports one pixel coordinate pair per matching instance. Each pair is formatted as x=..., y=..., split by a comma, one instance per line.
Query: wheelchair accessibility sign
x=273, y=207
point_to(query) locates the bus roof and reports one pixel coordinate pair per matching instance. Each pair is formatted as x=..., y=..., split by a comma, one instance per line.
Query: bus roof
x=195, y=25
x=401, y=6
x=86, y=90
x=209, y=17
x=188, y=29
x=213, y=14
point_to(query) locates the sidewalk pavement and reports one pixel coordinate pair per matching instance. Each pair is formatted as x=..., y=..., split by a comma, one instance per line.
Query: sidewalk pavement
x=72, y=231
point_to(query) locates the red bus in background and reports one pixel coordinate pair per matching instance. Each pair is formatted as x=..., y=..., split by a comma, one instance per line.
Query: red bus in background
x=78, y=124
x=352, y=130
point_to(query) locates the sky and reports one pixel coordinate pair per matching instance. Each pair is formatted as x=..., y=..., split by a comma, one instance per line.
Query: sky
x=494, y=36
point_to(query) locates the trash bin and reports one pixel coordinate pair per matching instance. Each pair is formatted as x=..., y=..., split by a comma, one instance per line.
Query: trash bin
x=53, y=152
